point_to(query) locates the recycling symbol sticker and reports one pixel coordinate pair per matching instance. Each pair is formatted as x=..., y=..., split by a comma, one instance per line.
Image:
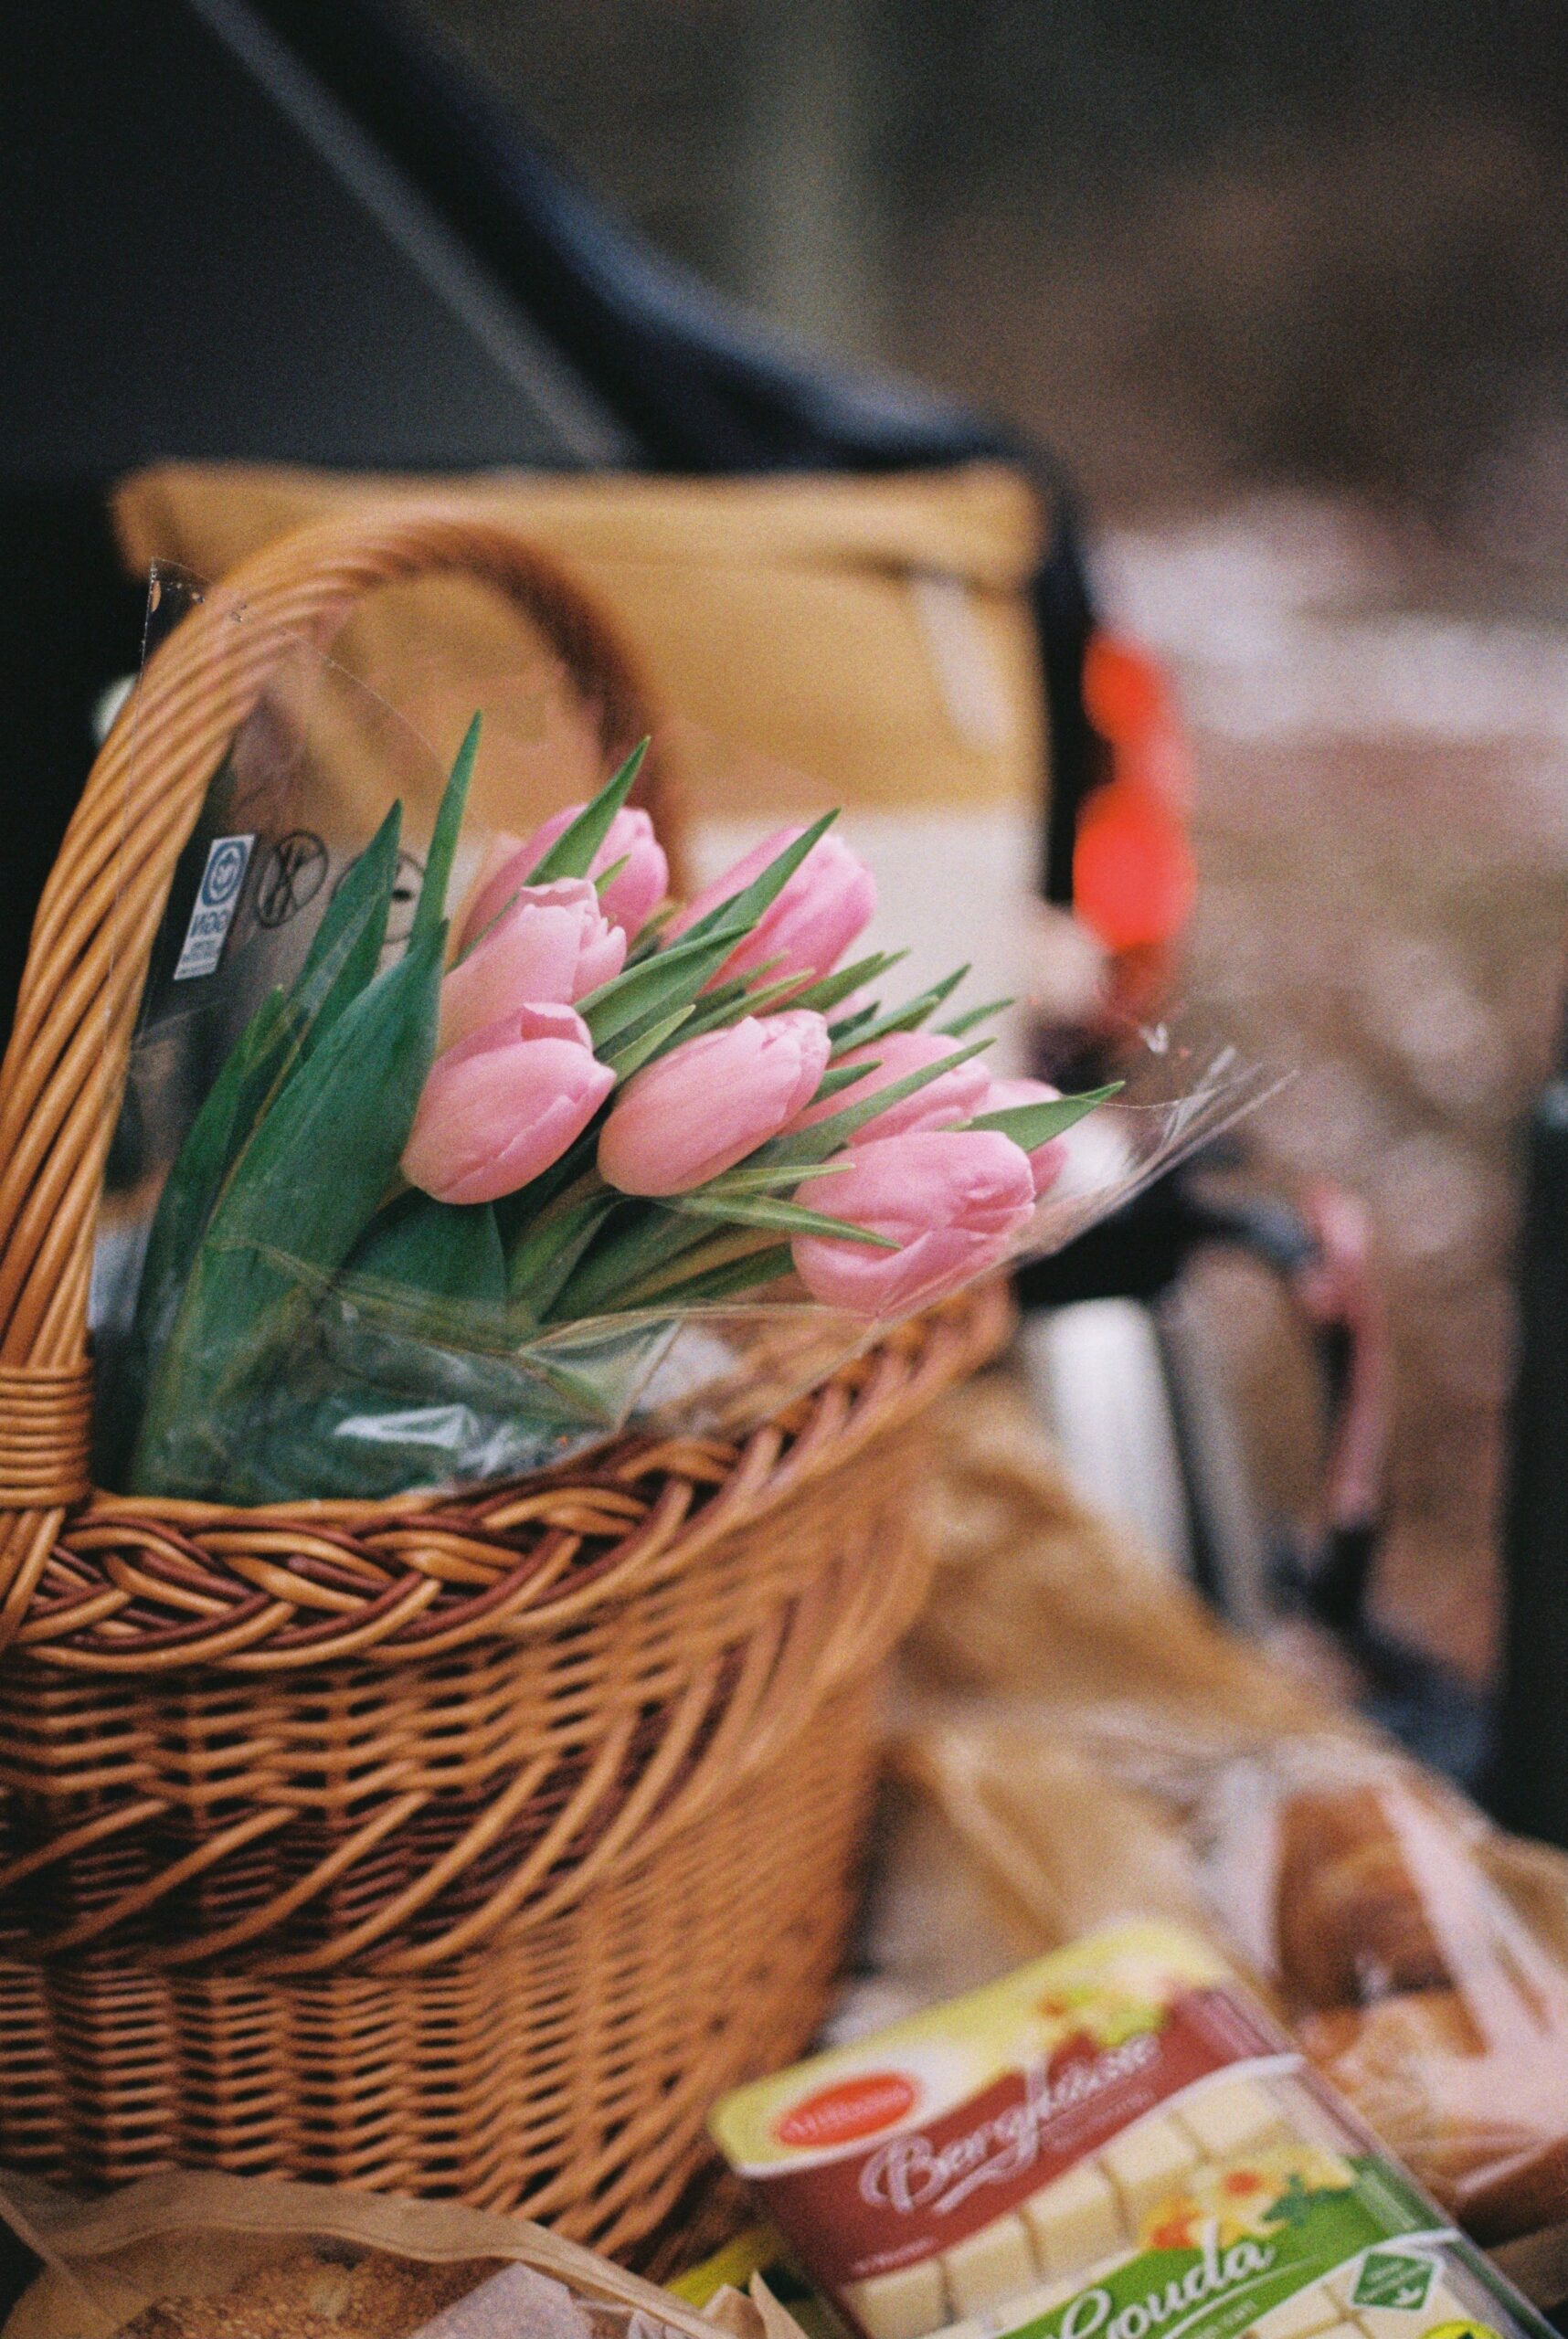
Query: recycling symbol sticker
x=295, y=871
x=1390, y=2278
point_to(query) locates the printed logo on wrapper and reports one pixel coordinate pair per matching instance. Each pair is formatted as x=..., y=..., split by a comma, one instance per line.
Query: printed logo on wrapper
x=294, y=875
x=853, y=2108
x=912, y=2171
x=1391, y=2279
x=217, y=898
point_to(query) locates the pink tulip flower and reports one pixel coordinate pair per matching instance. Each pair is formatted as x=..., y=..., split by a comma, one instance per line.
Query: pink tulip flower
x=943, y=1104
x=831, y=898
x=952, y=1200
x=708, y=1103
x=1048, y=1160
x=629, y=901
x=552, y=945
x=504, y=1103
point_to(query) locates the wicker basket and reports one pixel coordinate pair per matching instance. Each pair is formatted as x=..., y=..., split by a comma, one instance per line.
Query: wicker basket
x=468, y=1845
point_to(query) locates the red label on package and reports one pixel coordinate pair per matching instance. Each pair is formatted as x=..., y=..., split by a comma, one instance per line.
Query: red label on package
x=914, y=2188
x=863, y=2106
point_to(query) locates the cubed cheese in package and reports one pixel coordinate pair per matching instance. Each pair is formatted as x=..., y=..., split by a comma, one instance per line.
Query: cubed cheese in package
x=1115, y=2142
x=903, y=2304
x=1075, y=2221
x=1302, y=2316
x=1145, y=2163
x=1230, y=2117
x=994, y=2264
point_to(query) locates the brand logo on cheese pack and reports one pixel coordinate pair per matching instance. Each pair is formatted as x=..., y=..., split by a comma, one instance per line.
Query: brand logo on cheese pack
x=915, y=2171
x=1208, y=2279
x=845, y=2113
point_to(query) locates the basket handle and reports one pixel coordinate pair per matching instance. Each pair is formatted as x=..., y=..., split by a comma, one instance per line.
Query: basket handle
x=65, y=1065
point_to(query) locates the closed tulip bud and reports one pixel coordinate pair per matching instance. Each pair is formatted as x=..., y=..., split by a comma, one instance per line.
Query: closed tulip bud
x=504, y=1103
x=550, y=946
x=944, y=1103
x=706, y=1104
x=952, y=1200
x=1048, y=1160
x=629, y=901
x=831, y=899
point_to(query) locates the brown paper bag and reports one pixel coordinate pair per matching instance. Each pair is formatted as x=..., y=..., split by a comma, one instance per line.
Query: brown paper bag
x=248, y=2257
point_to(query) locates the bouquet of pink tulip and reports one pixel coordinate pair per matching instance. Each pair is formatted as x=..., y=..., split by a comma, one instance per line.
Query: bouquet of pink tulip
x=446, y=1208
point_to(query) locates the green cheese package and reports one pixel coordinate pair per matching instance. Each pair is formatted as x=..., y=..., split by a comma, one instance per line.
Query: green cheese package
x=1116, y=2142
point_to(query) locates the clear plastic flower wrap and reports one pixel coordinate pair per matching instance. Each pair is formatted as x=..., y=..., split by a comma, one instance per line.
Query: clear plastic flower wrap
x=446, y=1155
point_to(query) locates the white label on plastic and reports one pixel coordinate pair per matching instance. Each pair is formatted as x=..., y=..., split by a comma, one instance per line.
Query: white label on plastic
x=217, y=898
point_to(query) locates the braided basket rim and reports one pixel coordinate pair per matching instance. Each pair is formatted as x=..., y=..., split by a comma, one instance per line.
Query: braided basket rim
x=504, y=1560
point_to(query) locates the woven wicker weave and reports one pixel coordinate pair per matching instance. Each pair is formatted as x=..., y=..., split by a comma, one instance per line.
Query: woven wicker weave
x=469, y=1844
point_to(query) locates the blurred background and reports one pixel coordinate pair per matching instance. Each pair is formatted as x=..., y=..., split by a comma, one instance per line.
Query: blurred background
x=1289, y=296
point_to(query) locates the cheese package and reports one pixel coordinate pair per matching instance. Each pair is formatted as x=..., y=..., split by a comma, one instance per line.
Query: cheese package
x=1114, y=2143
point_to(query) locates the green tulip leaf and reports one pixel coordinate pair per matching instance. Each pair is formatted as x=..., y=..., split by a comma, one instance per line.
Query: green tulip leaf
x=730, y=1279
x=635, y=1052
x=845, y=1035
x=839, y=1076
x=572, y=853
x=446, y=1250
x=638, y=996
x=748, y=1181
x=647, y=938
x=833, y=990
x=432, y=904
x=550, y=1248
x=227, y=1114
x=907, y=1018
x=825, y=1137
x=740, y=913
x=1035, y=1124
x=346, y=949
x=673, y=976
x=637, y=1241
x=728, y=1003
x=704, y=1252
x=972, y=1018
x=295, y=1205
x=785, y=1218
x=342, y=960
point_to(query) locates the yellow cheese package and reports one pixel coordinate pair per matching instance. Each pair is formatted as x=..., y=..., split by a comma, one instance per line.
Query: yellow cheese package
x=1114, y=2143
